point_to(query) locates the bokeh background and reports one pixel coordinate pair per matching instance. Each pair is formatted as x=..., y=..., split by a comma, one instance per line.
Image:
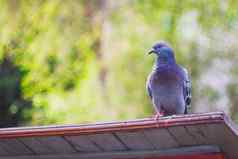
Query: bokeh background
x=81, y=61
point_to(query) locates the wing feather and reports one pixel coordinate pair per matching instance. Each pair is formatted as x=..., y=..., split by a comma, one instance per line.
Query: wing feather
x=187, y=87
x=148, y=87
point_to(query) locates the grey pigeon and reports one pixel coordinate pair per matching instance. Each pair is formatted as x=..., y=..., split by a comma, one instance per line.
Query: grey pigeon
x=168, y=85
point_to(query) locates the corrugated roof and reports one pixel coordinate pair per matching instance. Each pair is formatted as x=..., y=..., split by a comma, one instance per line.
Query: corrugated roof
x=208, y=133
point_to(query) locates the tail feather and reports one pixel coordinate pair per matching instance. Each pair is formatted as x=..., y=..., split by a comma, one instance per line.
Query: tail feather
x=186, y=110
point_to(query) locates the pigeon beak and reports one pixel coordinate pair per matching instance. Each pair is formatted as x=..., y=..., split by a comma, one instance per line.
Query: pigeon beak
x=152, y=51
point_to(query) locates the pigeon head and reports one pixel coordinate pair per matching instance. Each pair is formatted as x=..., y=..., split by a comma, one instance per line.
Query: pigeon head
x=164, y=52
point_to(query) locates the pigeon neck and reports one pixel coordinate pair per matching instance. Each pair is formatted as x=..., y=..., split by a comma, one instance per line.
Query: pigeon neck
x=164, y=61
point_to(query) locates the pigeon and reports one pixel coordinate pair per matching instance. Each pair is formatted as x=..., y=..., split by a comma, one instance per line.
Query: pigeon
x=169, y=84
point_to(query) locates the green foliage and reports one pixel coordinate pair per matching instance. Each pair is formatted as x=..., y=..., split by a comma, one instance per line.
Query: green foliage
x=85, y=61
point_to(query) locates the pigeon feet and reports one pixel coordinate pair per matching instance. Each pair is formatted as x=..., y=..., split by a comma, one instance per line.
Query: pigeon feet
x=158, y=115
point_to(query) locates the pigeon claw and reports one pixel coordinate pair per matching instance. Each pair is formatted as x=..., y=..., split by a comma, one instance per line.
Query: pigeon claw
x=158, y=115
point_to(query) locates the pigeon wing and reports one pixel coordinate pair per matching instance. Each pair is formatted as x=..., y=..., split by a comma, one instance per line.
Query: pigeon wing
x=148, y=87
x=187, y=87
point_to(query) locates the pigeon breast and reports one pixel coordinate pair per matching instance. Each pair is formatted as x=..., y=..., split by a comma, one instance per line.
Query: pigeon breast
x=167, y=90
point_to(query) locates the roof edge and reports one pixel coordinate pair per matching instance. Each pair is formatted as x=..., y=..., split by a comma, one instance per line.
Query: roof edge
x=231, y=125
x=163, y=122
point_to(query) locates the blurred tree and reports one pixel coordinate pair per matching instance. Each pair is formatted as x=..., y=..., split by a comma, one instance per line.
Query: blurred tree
x=14, y=108
x=81, y=61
